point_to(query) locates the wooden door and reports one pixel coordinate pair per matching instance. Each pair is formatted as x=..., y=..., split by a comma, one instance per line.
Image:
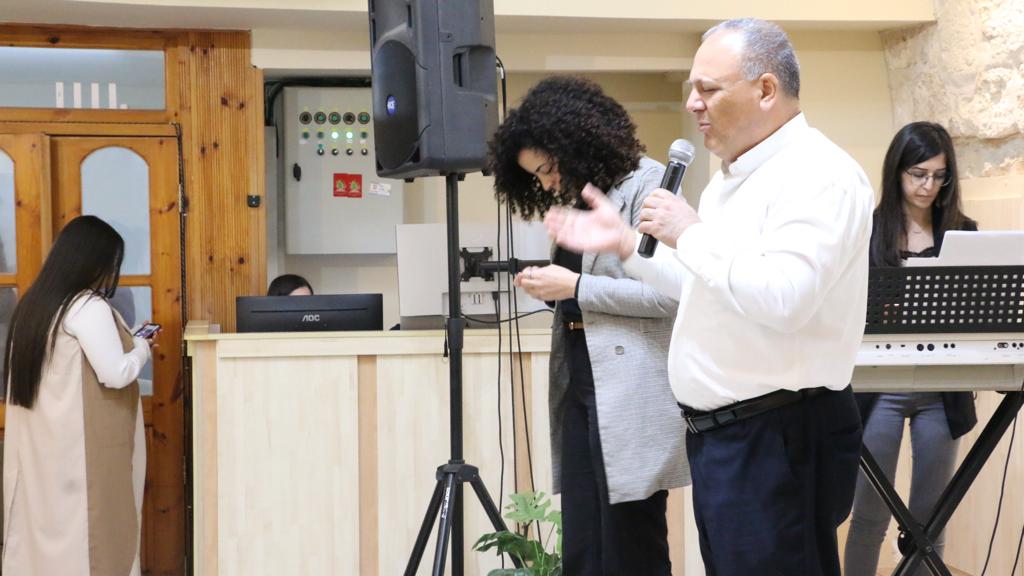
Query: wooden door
x=24, y=220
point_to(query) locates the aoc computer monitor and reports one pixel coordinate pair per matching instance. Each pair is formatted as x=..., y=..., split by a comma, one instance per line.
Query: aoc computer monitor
x=322, y=312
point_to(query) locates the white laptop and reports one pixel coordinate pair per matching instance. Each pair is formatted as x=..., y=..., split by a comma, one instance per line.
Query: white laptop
x=985, y=248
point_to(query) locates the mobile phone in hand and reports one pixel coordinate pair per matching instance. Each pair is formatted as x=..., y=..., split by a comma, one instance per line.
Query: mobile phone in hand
x=147, y=330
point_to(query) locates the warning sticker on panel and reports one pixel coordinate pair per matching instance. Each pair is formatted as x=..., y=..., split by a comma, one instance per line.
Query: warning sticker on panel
x=378, y=188
x=348, y=185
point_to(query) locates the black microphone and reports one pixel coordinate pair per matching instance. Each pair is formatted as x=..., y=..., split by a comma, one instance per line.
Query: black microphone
x=680, y=154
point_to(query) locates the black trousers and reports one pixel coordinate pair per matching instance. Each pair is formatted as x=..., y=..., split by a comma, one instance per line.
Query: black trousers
x=770, y=491
x=602, y=539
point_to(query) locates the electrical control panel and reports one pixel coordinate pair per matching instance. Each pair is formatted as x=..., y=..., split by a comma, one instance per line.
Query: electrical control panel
x=334, y=202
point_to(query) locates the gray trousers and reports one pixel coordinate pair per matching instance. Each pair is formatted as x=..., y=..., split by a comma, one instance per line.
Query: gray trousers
x=934, y=458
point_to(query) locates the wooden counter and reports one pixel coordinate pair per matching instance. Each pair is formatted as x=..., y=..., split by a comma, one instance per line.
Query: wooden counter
x=315, y=453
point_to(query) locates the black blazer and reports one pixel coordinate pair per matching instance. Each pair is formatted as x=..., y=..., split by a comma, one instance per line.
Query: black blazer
x=960, y=412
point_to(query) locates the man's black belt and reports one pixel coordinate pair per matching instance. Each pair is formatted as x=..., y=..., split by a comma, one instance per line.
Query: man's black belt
x=697, y=421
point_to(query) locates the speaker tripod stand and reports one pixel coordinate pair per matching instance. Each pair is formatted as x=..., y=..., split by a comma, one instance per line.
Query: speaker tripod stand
x=447, y=498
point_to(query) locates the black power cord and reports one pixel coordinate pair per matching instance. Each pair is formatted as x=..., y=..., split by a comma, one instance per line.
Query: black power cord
x=1002, y=492
x=513, y=320
x=999, y=507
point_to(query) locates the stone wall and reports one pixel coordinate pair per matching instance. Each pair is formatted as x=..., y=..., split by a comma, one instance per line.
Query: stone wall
x=966, y=72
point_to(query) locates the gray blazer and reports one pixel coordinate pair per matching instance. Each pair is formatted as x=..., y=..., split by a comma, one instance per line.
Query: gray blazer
x=628, y=327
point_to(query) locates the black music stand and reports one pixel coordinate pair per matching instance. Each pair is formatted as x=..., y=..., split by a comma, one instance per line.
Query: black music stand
x=932, y=300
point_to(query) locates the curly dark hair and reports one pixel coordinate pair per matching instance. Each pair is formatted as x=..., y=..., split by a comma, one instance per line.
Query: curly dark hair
x=589, y=135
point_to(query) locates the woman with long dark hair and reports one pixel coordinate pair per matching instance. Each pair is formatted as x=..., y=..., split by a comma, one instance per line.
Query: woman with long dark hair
x=617, y=438
x=74, y=458
x=920, y=202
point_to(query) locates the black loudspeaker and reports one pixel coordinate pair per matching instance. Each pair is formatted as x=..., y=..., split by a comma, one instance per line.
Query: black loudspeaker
x=434, y=85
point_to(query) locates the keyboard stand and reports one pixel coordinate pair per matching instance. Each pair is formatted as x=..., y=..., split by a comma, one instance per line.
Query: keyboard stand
x=931, y=300
x=915, y=541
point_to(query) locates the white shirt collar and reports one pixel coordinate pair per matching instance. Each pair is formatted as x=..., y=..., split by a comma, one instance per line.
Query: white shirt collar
x=752, y=159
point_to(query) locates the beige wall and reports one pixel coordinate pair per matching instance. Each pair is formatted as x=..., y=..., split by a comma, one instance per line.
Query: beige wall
x=845, y=94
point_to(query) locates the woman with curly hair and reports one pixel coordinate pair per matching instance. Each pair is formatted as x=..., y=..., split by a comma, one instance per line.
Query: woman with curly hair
x=617, y=439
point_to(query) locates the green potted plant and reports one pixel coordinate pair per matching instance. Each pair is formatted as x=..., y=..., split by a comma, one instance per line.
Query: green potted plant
x=529, y=547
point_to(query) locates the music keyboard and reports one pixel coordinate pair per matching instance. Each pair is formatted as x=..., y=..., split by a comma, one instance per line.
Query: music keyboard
x=940, y=349
x=940, y=362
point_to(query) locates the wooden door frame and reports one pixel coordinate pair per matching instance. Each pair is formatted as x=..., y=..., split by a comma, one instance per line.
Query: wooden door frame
x=36, y=36
x=214, y=105
x=31, y=156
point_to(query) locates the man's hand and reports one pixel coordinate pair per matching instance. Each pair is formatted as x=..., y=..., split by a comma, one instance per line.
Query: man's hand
x=666, y=216
x=548, y=283
x=598, y=230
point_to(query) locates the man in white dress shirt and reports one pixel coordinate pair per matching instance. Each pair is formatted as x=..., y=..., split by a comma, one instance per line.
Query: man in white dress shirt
x=771, y=274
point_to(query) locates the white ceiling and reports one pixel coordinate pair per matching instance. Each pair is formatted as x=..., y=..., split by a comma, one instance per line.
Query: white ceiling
x=340, y=15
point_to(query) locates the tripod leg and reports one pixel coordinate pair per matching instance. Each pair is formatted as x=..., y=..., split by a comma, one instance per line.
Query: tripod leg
x=425, y=528
x=458, y=533
x=492, y=511
x=444, y=528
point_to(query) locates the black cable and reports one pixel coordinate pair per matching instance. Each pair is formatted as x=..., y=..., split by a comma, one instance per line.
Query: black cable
x=519, y=347
x=505, y=320
x=501, y=440
x=999, y=507
x=497, y=316
x=1020, y=539
x=1016, y=557
x=1002, y=491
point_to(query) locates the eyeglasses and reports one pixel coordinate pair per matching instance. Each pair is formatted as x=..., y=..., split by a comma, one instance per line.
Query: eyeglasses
x=921, y=177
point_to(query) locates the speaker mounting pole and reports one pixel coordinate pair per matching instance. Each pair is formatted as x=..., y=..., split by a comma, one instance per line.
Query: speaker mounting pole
x=434, y=78
x=447, y=498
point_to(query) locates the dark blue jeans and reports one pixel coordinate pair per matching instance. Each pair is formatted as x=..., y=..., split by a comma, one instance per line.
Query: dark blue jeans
x=602, y=539
x=770, y=491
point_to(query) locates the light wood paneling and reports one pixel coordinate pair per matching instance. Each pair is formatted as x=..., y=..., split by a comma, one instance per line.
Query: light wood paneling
x=221, y=99
x=252, y=386
x=205, y=486
x=522, y=400
x=412, y=412
x=369, y=497
x=289, y=466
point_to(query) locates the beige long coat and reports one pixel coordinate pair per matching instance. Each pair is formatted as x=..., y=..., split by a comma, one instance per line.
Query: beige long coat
x=74, y=472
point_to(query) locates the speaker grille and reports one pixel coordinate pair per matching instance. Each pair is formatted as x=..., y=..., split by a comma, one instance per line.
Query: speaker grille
x=395, y=105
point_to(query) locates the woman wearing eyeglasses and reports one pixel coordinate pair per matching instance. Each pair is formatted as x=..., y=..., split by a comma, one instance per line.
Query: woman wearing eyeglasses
x=920, y=202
